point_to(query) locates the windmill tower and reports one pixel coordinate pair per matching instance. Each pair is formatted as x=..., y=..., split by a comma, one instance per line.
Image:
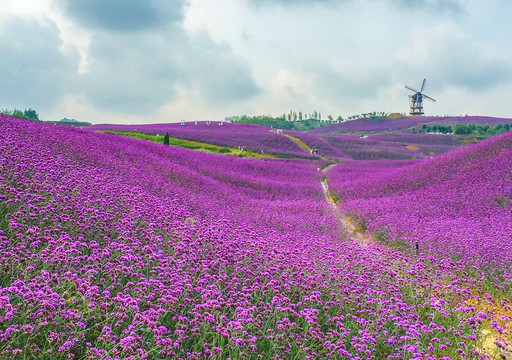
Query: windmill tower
x=416, y=100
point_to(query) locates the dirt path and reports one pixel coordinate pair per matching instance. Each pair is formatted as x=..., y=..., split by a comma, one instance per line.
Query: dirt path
x=298, y=141
x=329, y=166
x=355, y=231
x=499, y=308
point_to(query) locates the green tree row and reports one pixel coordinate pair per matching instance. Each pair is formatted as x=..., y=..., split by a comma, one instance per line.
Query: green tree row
x=470, y=129
x=482, y=130
x=280, y=122
x=443, y=129
x=28, y=114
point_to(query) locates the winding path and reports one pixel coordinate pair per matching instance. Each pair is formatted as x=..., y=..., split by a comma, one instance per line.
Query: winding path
x=298, y=141
x=353, y=230
x=489, y=336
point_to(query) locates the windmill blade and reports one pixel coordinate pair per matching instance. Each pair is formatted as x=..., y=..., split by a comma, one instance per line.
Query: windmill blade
x=423, y=85
x=410, y=88
x=428, y=97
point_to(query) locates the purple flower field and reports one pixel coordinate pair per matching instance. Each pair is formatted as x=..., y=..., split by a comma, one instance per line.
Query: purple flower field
x=457, y=204
x=254, y=137
x=314, y=141
x=116, y=248
x=404, y=123
x=376, y=147
x=379, y=146
x=423, y=139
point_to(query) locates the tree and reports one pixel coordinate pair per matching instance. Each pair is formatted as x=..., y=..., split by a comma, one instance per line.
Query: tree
x=31, y=114
x=500, y=129
x=16, y=113
x=460, y=129
x=166, y=139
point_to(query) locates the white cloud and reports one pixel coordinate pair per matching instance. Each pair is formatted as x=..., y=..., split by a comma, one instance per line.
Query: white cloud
x=205, y=59
x=450, y=57
x=35, y=70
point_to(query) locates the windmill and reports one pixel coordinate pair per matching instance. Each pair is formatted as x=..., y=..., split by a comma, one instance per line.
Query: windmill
x=416, y=100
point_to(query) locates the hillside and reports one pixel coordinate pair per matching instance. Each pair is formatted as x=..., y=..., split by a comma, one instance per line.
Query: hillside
x=404, y=123
x=112, y=246
x=456, y=205
x=253, y=137
x=380, y=146
x=258, y=139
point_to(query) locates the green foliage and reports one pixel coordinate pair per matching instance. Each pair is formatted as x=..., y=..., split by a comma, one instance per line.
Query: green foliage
x=265, y=120
x=16, y=113
x=299, y=120
x=439, y=128
x=375, y=115
x=166, y=139
x=31, y=114
x=382, y=235
x=469, y=129
x=27, y=114
x=362, y=225
x=461, y=130
x=503, y=201
x=78, y=123
x=291, y=121
x=193, y=145
x=481, y=130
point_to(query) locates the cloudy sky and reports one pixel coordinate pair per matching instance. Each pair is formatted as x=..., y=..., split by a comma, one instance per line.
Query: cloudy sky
x=146, y=61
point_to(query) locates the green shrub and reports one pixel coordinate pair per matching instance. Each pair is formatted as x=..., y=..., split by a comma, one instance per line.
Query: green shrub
x=382, y=235
x=362, y=225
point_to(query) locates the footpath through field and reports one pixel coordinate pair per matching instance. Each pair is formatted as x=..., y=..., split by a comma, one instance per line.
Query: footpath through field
x=299, y=142
x=355, y=232
x=494, y=338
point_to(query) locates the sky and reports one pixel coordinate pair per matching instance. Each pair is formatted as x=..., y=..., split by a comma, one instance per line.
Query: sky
x=151, y=61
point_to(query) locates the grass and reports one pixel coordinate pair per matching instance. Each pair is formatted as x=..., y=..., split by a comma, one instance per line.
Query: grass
x=194, y=145
x=299, y=142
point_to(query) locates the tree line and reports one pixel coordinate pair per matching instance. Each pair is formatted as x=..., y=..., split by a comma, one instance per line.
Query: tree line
x=469, y=129
x=298, y=120
x=28, y=114
x=280, y=122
